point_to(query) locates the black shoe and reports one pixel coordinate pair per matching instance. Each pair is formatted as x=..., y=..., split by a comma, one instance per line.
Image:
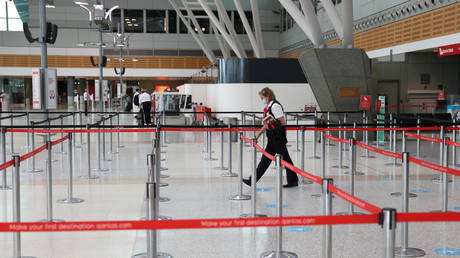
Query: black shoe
x=247, y=181
x=290, y=185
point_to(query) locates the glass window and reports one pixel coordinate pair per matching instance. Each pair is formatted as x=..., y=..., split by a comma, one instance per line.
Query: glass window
x=116, y=19
x=2, y=24
x=172, y=21
x=203, y=21
x=12, y=11
x=182, y=27
x=15, y=25
x=134, y=21
x=239, y=27
x=2, y=10
x=156, y=21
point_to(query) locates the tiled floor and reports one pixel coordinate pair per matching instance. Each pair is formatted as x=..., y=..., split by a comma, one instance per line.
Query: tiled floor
x=198, y=191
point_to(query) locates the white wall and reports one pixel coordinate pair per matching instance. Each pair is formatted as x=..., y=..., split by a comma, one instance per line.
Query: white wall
x=236, y=97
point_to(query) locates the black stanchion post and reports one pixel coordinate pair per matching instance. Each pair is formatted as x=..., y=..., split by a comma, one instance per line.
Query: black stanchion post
x=88, y=149
x=230, y=156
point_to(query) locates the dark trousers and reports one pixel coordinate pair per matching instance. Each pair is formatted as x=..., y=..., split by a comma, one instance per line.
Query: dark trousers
x=146, y=107
x=273, y=148
x=86, y=107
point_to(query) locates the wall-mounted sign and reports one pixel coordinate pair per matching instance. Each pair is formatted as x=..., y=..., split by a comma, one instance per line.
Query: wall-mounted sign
x=349, y=92
x=51, y=93
x=449, y=50
x=425, y=78
x=105, y=90
x=365, y=102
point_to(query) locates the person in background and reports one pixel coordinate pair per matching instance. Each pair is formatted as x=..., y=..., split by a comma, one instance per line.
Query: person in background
x=145, y=101
x=136, y=106
x=273, y=124
x=85, y=100
x=2, y=97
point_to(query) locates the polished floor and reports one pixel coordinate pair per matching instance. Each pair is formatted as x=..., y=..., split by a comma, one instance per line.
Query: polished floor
x=197, y=190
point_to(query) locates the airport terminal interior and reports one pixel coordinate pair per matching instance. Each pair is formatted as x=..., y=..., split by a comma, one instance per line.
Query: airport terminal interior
x=229, y=128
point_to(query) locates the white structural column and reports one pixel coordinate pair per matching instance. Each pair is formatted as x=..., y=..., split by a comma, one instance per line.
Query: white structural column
x=208, y=52
x=257, y=26
x=199, y=30
x=334, y=16
x=221, y=29
x=347, y=6
x=223, y=48
x=308, y=22
x=229, y=24
x=254, y=42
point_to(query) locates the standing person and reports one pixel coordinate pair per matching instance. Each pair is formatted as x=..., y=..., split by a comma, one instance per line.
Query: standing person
x=273, y=124
x=136, y=106
x=85, y=100
x=2, y=97
x=145, y=101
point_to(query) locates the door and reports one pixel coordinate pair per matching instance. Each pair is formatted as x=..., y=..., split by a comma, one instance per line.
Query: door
x=389, y=89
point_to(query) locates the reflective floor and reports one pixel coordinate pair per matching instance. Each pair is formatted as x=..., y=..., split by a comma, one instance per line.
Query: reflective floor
x=197, y=190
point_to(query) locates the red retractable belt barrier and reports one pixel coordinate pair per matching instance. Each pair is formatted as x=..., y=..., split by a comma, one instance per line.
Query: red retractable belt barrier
x=379, y=151
x=425, y=138
x=456, y=144
x=33, y=153
x=354, y=200
x=428, y=217
x=81, y=130
x=59, y=141
x=347, y=197
x=6, y=165
x=188, y=224
x=209, y=129
x=337, y=139
x=436, y=167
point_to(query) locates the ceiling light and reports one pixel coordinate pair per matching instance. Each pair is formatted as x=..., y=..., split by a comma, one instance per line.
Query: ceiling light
x=81, y=2
x=49, y=4
x=135, y=59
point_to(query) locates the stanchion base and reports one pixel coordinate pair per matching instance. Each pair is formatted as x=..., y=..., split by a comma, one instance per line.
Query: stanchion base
x=164, y=176
x=120, y=146
x=163, y=184
x=397, y=194
x=164, y=217
x=409, y=252
x=280, y=254
x=54, y=160
x=100, y=169
x=229, y=174
x=61, y=152
x=78, y=146
x=357, y=173
x=240, y=197
x=210, y=159
x=438, y=180
x=163, y=169
x=90, y=177
x=330, y=144
x=252, y=215
x=368, y=157
x=159, y=254
x=316, y=196
x=115, y=152
x=220, y=168
x=164, y=199
x=442, y=211
x=6, y=187
x=393, y=164
x=338, y=166
x=305, y=182
x=348, y=213
x=163, y=160
x=70, y=201
x=24, y=257
x=315, y=157
x=33, y=171
x=297, y=150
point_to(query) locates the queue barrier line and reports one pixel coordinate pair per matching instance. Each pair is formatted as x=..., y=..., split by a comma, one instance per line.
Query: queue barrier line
x=428, y=217
x=337, y=139
x=379, y=151
x=81, y=131
x=436, y=167
x=33, y=153
x=425, y=138
x=339, y=192
x=188, y=224
x=456, y=144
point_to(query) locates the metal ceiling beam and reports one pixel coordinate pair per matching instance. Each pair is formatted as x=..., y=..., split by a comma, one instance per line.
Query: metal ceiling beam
x=311, y=21
x=333, y=16
x=208, y=52
x=347, y=11
x=252, y=39
x=257, y=26
x=221, y=29
x=230, y=26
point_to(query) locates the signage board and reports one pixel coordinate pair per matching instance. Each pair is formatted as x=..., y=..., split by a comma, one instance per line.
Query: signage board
x=51, y=89
x=449, y=50
x=36, y=93
x=365, y=102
